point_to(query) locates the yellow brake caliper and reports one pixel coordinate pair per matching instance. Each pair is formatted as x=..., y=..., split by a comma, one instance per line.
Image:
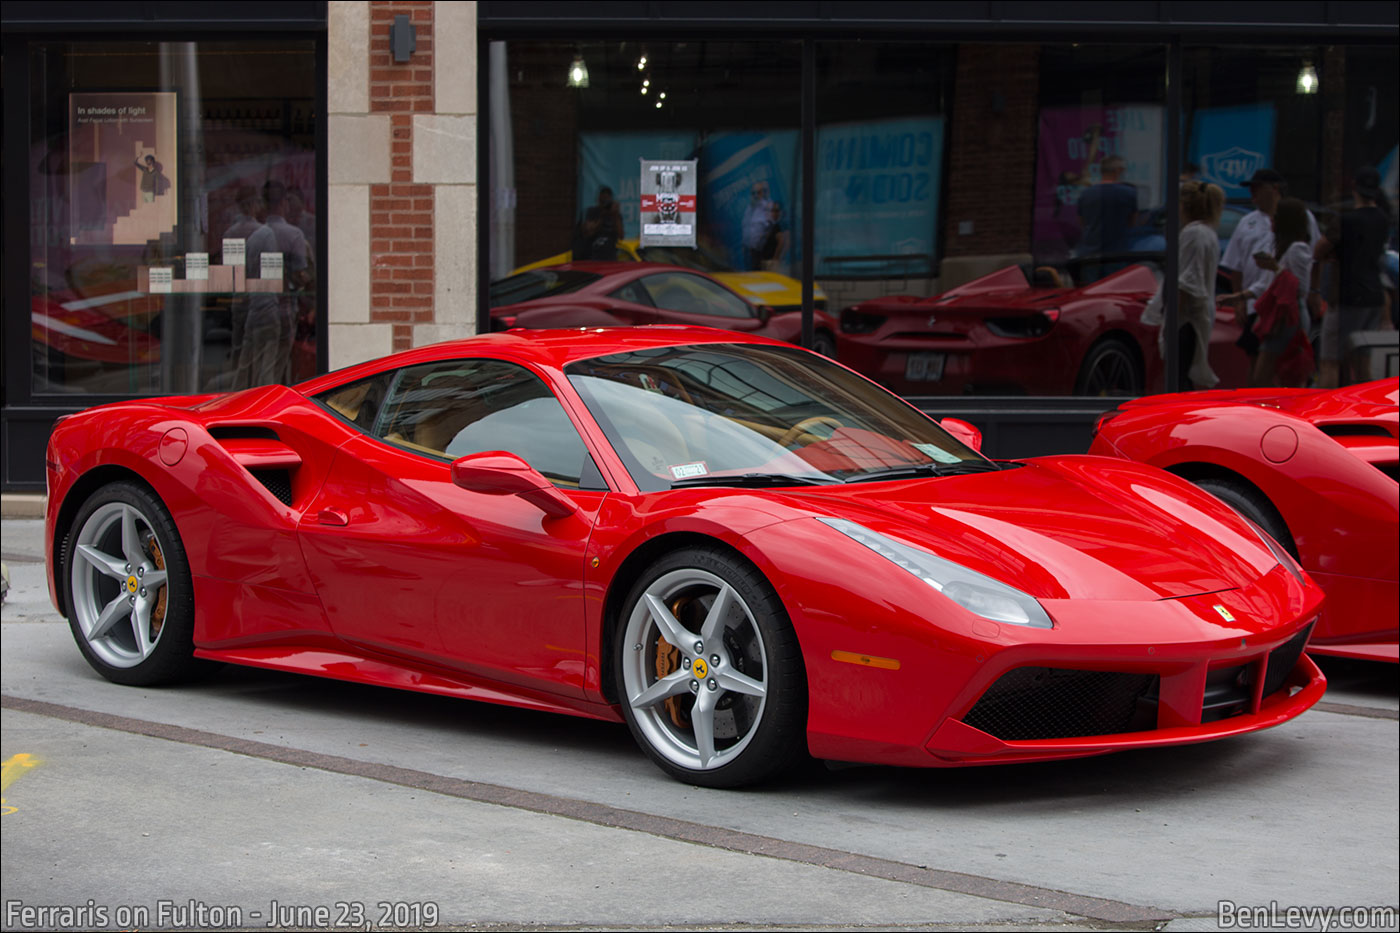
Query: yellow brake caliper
x=668, y=658
x=157, y=614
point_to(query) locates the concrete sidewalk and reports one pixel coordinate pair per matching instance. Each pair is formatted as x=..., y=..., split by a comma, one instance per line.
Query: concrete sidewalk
x=254, y=787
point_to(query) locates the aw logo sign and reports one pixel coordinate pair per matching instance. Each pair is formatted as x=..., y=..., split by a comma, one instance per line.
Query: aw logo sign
x=1231, y=168
x=1232, y=143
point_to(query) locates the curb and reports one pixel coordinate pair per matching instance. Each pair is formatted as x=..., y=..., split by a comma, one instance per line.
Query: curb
x=22, y=504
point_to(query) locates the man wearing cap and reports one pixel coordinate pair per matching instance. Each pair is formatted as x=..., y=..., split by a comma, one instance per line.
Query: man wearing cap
x=1358, y=242
x=1255, y=235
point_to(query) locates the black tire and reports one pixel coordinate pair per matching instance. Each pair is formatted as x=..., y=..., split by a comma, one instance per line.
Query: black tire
x=824, y=343
x=752, y=737
x=1110, y=368
x=1254, y=506
x=96, y=556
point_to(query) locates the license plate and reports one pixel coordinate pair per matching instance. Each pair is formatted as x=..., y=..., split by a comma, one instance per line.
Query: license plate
x=924, y=367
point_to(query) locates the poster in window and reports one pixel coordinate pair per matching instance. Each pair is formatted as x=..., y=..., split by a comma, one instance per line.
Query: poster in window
x=123, y=166
x=668, y=202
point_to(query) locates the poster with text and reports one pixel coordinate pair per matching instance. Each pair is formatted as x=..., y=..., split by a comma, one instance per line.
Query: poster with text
x=877, y=197
x=1073, y=143
x=668, y=202
x=124, y=168
x=609, y=160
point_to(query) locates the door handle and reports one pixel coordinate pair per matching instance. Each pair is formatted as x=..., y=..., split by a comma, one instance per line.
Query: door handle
x=332, y=517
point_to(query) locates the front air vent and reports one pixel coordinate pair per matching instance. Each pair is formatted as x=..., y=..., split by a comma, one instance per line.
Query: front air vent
x=1056, y=703
x=1283, y=659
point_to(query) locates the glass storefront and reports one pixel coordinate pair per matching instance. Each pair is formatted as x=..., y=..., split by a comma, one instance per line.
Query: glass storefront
x=989, y=219
x=172, y=216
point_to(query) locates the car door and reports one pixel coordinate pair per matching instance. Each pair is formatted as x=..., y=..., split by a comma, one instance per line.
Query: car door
x=409, y=564
x=687, y=298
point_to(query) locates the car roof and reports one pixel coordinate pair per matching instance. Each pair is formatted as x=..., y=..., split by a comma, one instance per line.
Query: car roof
x=542, y=348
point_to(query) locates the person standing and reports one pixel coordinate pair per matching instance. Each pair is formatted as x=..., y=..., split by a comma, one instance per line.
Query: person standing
x=291, y=242
x=601, y=229
x=1107, y=211
x=1253, y=238
x=1198, y=256
x=1357, y=243
x=1278, y=322
x=757, y=222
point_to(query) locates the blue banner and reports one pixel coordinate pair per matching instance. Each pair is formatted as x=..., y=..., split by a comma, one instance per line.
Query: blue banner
x=739, y=172
x=1231, y=143
x=877, y=196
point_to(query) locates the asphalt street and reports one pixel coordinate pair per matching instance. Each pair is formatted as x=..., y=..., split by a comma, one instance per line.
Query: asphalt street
x=258, y=799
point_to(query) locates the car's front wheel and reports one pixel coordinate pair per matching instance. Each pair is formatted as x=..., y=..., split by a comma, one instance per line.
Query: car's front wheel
x=709, y=673
x=130, y=596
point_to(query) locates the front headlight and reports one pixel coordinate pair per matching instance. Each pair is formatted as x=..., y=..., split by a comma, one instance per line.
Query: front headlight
x=975, y=592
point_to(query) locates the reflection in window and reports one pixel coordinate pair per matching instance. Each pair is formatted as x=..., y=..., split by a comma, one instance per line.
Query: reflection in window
x=463, y=407
x=173, y=220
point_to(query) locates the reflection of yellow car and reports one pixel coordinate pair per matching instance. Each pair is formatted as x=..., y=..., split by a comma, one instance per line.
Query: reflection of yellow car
x=761, y=288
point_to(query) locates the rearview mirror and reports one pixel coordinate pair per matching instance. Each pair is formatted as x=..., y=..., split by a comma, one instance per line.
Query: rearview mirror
x=967, y=433
x=499, y=473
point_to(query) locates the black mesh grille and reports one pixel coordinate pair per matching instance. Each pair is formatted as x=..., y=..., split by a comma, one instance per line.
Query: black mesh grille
x=1283, y=659
x=1056, y=703
x=278, y=482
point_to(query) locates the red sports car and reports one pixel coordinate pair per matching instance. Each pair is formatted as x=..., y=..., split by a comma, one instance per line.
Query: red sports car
x=1000, y=335
x=610, y=294
x=1317, y=469
x=741, y=548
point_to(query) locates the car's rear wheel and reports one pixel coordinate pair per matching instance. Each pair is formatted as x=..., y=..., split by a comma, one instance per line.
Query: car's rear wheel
x=130, y=597
x=1252, y=505
x=709, y=673
x=824, y=343
x=1110, y=368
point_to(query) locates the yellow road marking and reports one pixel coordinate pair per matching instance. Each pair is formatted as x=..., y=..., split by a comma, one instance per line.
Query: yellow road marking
x=15, y=767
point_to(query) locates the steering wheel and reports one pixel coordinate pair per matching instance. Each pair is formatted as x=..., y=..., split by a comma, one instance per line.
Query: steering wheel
x=805, y=426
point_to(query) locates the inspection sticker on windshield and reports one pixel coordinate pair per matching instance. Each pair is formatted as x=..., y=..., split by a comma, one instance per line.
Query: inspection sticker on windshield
x=937, y=454
x=687, y=470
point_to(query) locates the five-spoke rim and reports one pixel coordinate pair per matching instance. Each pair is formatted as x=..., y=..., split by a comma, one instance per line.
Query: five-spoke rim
x=119, y=582
x=693, y=669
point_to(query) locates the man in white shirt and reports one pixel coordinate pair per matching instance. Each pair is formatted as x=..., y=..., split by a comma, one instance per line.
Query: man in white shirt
x=1255, y=234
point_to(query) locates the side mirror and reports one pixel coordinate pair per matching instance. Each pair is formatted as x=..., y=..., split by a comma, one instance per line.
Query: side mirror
x=764, y=313
x=498, y=473
x=967, y=433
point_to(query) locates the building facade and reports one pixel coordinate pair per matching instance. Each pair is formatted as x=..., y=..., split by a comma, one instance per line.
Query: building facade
x=218, y=195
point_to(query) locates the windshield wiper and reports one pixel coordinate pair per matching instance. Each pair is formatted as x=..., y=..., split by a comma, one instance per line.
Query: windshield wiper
x=753, y=480
x=911, y=470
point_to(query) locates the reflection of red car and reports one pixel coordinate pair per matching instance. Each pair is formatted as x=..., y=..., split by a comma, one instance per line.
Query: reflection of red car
x=1316, y=469
x=740, y=548
x=999, y=335
x=85, y=328
x=609, y=294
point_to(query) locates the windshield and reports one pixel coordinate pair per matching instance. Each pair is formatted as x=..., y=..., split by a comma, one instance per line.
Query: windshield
x=537, y=283
x=698, y=414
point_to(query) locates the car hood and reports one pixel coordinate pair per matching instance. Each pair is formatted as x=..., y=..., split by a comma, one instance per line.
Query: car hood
x=1065, y=527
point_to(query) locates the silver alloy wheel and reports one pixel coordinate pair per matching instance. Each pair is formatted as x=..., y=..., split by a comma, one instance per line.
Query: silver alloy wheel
x=118, y=584
x=702, y=714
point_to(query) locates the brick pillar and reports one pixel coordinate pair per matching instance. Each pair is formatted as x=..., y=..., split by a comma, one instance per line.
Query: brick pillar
x=991, y=157
x=401, y=212
x=402, y=154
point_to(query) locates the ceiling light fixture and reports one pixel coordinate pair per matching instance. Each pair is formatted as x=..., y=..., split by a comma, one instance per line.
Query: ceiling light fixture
x=1307, y=79
x=578, y=72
